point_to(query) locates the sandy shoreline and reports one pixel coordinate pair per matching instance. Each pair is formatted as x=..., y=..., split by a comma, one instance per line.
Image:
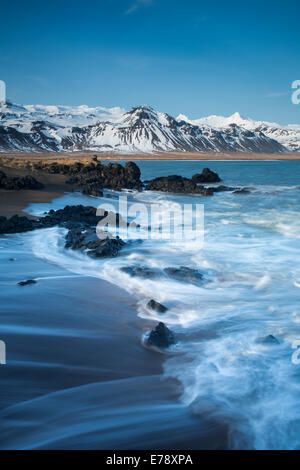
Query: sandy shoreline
x=15, y=202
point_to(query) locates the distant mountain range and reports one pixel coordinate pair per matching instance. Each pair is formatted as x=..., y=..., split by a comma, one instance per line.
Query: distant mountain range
x=142, y=129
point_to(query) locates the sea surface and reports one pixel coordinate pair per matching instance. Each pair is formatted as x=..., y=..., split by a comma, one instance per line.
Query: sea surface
x=233, y=383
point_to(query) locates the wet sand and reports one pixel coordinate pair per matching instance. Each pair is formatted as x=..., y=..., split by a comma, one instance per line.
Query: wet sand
x=77, y=375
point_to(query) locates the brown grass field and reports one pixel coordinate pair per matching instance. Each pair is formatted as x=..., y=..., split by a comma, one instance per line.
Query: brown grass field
x=5, y=158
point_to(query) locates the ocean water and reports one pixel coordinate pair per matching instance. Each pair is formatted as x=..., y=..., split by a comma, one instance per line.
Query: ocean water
x=250, y=261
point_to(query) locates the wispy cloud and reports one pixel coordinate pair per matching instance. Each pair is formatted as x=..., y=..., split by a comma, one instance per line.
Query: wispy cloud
x=136, y=5
x=277, y=94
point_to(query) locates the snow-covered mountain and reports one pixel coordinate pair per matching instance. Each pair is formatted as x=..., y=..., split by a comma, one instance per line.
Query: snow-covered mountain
x=141, y=129
x=288, y=136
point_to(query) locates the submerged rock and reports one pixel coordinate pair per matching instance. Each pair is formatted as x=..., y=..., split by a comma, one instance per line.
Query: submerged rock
x=153, y=305
x=184, y=274
x=141, y=271
x=243, y=191
x=270, y=339
x=207, y=176
x=27, y=283
x=161, y=337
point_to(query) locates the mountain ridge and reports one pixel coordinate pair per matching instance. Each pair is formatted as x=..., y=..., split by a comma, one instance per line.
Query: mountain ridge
x=288, y=136
x=140, y=129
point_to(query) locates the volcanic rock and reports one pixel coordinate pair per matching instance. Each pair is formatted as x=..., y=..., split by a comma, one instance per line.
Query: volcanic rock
x=207, y=176
x=153, y=305
x=161, y=336
x=177, y=184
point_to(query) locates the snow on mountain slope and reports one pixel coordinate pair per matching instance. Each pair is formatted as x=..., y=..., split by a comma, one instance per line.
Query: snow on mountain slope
x=288, y=136
x=65, y=116
x=216, y=121
x=141, y=129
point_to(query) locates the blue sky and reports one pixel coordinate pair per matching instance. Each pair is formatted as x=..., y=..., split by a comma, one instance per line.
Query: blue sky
x=192, y=57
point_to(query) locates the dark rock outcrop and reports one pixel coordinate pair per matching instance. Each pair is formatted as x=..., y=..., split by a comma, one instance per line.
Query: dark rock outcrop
x=156, y=306
x=222, y=188
x=69, y=217
x=207, y=176
x=92, y=189
x=29, y=282
x=177, y=184
x=89, y=242
x=17, y=224
x=87, y=176
x=115, y=176
x=17, y=183
x=161, y=337
x=84, y=215
x=81, y=221
x=180, y=184
x=82, y=235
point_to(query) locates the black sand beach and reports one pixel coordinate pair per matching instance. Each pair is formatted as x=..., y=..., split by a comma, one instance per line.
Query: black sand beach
x=74, y=353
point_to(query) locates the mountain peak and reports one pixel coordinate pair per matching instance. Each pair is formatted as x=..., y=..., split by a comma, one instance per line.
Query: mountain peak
x=139, y=113
x=141, y=109
x=236, y=115
x=237, y=118
x=182, y=117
